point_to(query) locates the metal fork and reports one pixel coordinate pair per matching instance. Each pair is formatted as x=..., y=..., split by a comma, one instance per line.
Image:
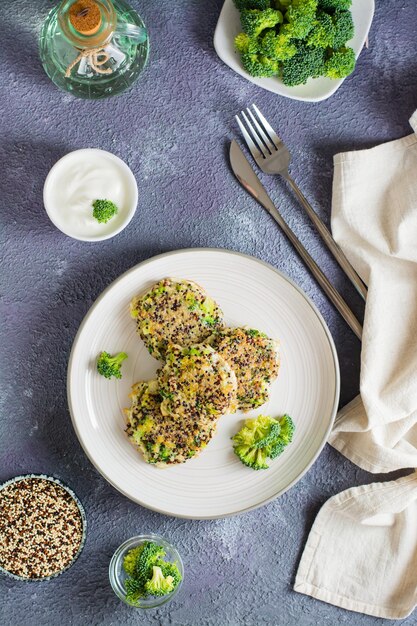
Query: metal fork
x=273, y=157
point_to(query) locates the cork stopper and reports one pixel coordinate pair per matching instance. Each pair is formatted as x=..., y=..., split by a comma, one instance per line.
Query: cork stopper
x=85, y=17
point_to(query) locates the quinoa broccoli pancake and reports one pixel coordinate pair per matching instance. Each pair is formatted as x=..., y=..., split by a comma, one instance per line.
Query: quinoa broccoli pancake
x=255, y=360
x=165, y=440
x=175, y=311
x=196, y=380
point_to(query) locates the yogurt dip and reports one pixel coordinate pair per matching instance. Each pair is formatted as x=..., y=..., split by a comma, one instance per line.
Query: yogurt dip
x=80, y=178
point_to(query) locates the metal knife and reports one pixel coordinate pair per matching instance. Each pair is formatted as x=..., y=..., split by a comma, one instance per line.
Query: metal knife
x=245, y=174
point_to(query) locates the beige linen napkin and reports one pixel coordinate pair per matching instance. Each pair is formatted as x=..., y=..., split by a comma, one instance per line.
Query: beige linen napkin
x=362, y=550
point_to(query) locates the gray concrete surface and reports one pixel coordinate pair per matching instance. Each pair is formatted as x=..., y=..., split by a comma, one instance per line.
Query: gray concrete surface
x=239, y=571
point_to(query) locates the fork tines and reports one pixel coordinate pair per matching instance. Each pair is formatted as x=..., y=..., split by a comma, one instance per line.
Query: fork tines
x=261, y=139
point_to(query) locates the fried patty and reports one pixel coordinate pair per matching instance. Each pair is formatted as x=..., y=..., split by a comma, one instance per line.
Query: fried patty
x=165, y=440
x=196, y=380
x=175, y=311
x=254, y=357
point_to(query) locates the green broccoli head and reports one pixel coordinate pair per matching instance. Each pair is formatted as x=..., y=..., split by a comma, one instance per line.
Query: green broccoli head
x=323, y=31
x=244, y=43
x=134, y=590
x=251, y=456
x=344, y=28
x=287, y=429
x=129, y=561
x=252, y=4
x=171, y=570
x=261, y=438
x=341, y=63
x=277, y=47
x=344, y=5
x=255, y=21
x=285, y=436
x=147, y=558
x=108, y=365
x=104, y=210
x=259, y=65
x=300, y=17
x=308, y=62
x=148, y=573
x=159, y=585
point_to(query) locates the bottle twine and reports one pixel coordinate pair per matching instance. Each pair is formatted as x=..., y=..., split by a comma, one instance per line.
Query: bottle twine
x=94, y=60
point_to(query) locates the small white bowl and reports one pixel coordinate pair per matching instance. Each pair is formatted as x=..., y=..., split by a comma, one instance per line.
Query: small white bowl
x=78, y=179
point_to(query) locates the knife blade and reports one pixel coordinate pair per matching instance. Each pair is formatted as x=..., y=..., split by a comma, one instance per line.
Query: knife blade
x=247, y=177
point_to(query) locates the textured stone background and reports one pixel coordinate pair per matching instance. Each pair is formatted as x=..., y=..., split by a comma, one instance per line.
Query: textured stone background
x=173, y=129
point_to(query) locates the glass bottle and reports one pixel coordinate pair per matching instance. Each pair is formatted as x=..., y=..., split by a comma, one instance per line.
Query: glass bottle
x=93, y=48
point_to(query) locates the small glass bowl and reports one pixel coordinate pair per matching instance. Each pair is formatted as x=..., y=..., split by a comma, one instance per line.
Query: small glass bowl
x=51, y=479
x=118, y=575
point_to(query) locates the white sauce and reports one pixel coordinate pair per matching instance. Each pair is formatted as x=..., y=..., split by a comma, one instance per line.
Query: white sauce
x=77, y=180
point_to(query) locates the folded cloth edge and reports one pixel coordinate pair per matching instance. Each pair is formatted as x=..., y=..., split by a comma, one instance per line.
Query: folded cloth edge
x=346, y=603
x=301, y=584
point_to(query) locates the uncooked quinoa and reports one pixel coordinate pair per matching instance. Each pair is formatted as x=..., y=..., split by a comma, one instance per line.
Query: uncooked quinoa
x=41, y=528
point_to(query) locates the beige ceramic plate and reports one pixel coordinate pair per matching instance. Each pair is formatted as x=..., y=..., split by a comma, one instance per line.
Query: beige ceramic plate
x=215, y=484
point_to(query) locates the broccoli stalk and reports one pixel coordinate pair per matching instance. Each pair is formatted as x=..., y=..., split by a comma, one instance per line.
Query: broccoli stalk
x=261, y=438
x=104, y=210
x=108, y=365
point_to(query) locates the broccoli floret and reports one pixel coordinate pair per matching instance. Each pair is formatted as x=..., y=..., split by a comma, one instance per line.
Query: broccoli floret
x=159, y=585
x=282, y=5
x=129, y=561
x=260, y=65
x=257, y=430
x=344, y=28
x=243, y=44
x=277, y=47
x=300, y=17
x=261, y=438
x=250, y=456
x=323, y=32
x=255, y=21
x=147, y=558
x=170, y=569
x=108, y=365
x=308, y=62
x=252, y=4
x=104, y=210
x=341, y=63
x=134, y=590
x=287, y=428
x=286, y=433
x=335, y=4
x=148, y=573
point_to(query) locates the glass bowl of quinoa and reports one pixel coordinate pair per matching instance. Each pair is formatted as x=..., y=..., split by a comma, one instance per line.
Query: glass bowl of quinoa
x=42, y=527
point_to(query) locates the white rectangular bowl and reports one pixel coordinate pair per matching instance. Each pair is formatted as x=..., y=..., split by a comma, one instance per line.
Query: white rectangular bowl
x=316, y=89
